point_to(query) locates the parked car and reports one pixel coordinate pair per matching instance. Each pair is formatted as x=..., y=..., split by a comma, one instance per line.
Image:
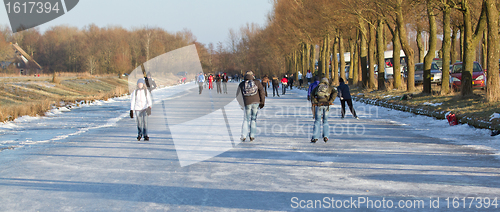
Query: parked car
x=478, y=76
x=436, y=74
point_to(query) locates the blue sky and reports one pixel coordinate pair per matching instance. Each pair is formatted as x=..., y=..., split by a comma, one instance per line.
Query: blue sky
x=209, y=20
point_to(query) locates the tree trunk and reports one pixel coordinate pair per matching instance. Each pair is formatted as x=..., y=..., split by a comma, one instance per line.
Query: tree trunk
x=432, y=48
x=364, y=54
x=326, y=55
x=312, y=62
x=380, y=52
x=342, y=59
x=371, y=56
x=396, y=55
x=308, y=60
x=470, y=43
x=484, y=48
x=403, y=37
x=335, y=61
x=445, y=83
x=493, y=81
x=352, y=54
x=462, y=35
x=320, y=59
x=453, y=51
x=420, y=46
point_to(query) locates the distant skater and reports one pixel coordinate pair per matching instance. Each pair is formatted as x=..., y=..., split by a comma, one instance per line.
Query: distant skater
x=284, y=83
x=276, y=85
x=265, y=83
x=201, y=81
x=218, y=80
x=225, y=79
x=345, y=96
x=140, y=105
x=309, y=91
x=210, y=82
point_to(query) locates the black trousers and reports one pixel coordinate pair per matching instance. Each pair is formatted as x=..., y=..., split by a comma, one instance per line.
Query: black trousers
x=201, y=86
x=349, y=103
x=275, y=88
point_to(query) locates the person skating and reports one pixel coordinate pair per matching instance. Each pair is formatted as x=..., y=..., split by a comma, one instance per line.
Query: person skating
x=299, y=75
x=284, y=83
x=322, y=97
x=276, y=85
x=140, y=105
x=201, y=81
x=150, y=82
x=345, y=96
x=290, y=81
x=309, y=91
x=210, y=82
x=250, y=94
x=309, y=76
x=218, y=81
x=225, y=79
x=265, y=83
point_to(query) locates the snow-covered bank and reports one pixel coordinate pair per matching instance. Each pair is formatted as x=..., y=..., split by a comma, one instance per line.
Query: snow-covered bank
x=75, y=119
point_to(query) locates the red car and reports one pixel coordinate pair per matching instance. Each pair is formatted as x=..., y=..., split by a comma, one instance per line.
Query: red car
x=478, y=76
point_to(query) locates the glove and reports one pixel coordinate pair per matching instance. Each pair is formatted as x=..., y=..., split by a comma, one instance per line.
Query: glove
x=341, y=98
x=309, y=98
x=261, y=105
x=131, y=114
x=148, y=111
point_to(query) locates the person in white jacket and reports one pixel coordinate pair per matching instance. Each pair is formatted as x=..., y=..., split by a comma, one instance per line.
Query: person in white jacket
x=141, y=105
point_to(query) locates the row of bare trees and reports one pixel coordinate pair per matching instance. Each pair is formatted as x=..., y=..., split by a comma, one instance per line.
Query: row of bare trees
x=109, y=50
x=301, y=32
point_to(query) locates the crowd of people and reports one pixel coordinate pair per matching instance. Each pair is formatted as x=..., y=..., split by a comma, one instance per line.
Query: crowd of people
x=253, y=92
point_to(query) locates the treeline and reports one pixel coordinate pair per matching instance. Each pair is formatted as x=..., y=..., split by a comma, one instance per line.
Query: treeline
x=108, y=50
x=300, y=32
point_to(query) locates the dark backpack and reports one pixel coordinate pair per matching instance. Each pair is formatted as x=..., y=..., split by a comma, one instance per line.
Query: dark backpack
x=250, y=88
x=322, y=92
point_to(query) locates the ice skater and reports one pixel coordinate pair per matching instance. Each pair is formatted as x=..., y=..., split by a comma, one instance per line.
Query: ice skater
x=251, y=97
x=322, y=97
x=140, y=105
x=345, y=96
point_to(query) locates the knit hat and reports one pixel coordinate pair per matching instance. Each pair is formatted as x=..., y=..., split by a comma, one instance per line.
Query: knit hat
x=324, y=80
x=249, y=73
x=141, y=80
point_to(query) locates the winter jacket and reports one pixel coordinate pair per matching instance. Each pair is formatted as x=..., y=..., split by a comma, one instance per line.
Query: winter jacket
x=343, y=90
x=309, y=75
x=311, y=87
x=259, y=98
x=284, y=81
x=201, y=78
x=276, y=82
x=265, y=81
x=140, y=101
x=323, y=101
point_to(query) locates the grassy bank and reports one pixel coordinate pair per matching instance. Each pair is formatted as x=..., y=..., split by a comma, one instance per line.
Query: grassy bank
x=20, y=96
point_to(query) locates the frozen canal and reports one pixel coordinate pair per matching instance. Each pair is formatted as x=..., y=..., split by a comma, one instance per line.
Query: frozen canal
x=87, y=159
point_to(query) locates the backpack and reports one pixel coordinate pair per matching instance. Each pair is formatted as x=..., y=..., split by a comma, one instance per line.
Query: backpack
x=452, y=119
x=250, y=88
x=322, y=91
